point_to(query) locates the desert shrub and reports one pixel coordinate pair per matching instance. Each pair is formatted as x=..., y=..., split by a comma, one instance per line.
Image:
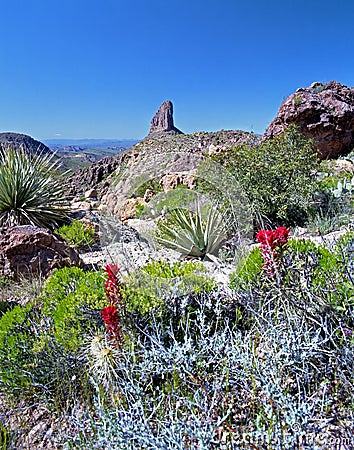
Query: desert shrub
x=142, y=182
x=77, y=234
x=16, y=342
x=33, y=364
x=333, y=201
x=248, y=269
x=154, y=285
x=164, y=202
x=304, y=267
x=30, y=189
x=40, y=342
x=72, y=299
x=4, y=281
x=221, y=387
x=276, y=175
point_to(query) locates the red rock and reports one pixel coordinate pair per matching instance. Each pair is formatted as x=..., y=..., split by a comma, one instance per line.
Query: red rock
x=324, y=113
x=27, y=250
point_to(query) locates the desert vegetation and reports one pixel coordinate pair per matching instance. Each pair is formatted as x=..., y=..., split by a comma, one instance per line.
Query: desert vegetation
x=169, y=357
x=31, y=190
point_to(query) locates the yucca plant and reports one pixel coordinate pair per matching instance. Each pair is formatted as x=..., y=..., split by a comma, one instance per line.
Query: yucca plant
x=192, y=234
x=30, y=189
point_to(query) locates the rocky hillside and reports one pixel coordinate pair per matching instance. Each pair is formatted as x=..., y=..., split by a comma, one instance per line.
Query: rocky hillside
x=165, y=151
x=23, y=140
x=323, y=112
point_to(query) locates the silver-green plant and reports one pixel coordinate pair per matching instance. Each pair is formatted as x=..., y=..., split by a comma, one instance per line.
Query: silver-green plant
x=31, y=189
x=193, y=234
x=343, y=187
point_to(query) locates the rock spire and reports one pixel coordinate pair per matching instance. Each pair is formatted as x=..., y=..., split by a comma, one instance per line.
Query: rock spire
x=163, y=119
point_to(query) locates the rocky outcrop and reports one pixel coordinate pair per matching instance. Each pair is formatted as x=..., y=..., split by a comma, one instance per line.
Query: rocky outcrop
x=169, y=160
x=163, y=120
x=17, y=140
x=323, y=112
x=173, y=180
x=91, y=177
x=26, y=250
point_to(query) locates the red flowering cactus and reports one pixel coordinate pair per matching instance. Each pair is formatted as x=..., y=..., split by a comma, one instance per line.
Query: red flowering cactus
x=111, y=314
x=111, y=320
x=273, y=244
x=112, y=284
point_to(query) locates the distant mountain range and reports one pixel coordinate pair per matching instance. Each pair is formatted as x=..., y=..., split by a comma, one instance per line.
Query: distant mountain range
x=57, y=144
x=77, y=153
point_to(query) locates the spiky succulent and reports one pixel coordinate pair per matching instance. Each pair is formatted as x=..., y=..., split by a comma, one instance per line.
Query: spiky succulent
x=30, y=189
x=193, y=234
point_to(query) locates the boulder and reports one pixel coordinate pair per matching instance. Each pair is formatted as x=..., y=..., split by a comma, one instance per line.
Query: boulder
x=91, y=193
x=27, y=250
x=129, y=208
x=163, y=120
x=324, y=113
x=149, y=193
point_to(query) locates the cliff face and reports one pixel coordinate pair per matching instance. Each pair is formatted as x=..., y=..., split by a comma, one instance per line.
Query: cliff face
x=23, y=140
x=324, y=113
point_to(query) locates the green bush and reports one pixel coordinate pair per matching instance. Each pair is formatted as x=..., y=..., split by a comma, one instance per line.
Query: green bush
x=72, y=299
x=33, y=364
x=142, y=183
x=31, y=189
x=248, y=269
x=179, y=197
x=41, y=342
x=321, y=263
x=306, y=267
x=77, y=234
x=276, y=175
x=333, y=199
x=16, y=343
x=149, y=288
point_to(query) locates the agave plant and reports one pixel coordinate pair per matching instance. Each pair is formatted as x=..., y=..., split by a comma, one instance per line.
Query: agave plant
x=30, y=189
x=189, y=233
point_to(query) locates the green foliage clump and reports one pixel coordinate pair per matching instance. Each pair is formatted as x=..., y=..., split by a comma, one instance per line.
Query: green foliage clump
x=40, y=342
x=169, y=201
x=148, y=289
x=323, y=263
x=333, y=199
x=248, y=269
x=16, y=341
x=324, y=273
x=72, y=299
x=77, y=234
x=141, y=184
x=31, y=189
x=276, y=175
x=33, y=363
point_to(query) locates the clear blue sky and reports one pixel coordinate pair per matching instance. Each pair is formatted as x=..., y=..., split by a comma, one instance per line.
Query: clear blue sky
x=101, y=68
